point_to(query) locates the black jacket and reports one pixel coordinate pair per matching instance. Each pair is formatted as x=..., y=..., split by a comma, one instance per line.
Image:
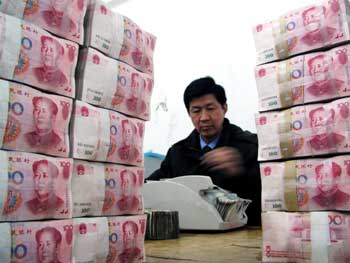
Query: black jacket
x=183, y=158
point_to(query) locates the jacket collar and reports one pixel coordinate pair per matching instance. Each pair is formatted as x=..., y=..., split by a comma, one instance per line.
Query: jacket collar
x=192, y=141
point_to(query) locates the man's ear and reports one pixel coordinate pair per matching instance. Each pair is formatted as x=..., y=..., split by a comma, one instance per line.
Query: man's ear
x=225, y=107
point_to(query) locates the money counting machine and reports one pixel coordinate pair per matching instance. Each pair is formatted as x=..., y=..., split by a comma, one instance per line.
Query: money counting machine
x=201, y=204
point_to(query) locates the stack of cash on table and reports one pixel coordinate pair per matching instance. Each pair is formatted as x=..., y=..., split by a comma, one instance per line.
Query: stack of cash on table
x=72, y=123
x=303, y=126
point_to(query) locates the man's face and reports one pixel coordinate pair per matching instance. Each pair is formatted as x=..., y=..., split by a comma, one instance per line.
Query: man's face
x=129, y=236
x=42, y=180
x=318, y=119
x=127, y=133
x=319, y=69
x=325, y=180
x=46, y=248
x=59, y=5
x=49, y=54
x=126, y=185
x=312, y=19
x=207, y=116
x=43, y=116
x=136, y=84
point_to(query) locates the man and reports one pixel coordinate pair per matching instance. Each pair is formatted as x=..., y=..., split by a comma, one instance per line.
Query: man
x=323, y=85
x=329, y=195
x=45, y=200
x=48, y=240
x=137, y=53
x=58, y=15
x=322, y=123
x=44, y=117
x=131, y=253
x=313, y=21
x=128, y=202
x=51, y=54
x=232, y=159
x=137, y=85
x=127, y=150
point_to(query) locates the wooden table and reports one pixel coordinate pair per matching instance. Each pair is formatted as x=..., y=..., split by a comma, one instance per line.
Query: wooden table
x=241, y=246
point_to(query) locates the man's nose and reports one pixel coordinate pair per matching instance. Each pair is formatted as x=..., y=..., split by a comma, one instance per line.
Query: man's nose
x=204, y=115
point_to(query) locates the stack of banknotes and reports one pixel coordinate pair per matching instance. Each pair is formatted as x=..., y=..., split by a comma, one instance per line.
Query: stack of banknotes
x=31, y=55
x=48, y=138
x=119, y=37
x=303, y=79
x=112, y=84
x=317, y=237
x=306, y=130
x=64, y=18
x=36, y=187
x=303, y=85
x=321, y=25
x=306, y=184
x=162, y=224
x=80, y=240
x=34, y=121
x=102, y=135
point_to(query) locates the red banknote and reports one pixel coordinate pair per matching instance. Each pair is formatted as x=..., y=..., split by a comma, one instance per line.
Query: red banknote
x=119, y=37
x=30, y=55
x=323, y=24
x=113, y=84
x=33, y=121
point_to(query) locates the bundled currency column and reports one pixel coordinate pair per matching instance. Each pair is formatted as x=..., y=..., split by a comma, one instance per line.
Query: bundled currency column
x=38, y=180
x=304, y=123
x=114, y=88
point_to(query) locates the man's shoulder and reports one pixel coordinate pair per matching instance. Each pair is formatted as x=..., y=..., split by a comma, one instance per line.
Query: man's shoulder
x=237, y=133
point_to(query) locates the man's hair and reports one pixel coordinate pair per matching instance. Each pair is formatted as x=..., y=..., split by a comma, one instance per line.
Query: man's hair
x=336, y=169
x=133, y=226
x=54, y=232
x=201, y=87
x=53, y=170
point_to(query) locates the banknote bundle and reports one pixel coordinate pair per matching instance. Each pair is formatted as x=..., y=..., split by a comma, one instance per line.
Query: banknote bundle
x=162, y=224
x=112, y=189
x=34, y=186
x=312, y=27
x=102, y=135
x=306, y=184
x=315, y=237
x=307, y=130
x=64, y=18
x=230, y=207
x=95, y=240
x=33, y=121
x=303, y=79
x=30, y=55
x=112, y=84
x=119, y=37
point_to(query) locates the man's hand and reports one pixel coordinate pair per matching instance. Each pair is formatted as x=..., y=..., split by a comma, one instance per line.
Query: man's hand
x=226, y=159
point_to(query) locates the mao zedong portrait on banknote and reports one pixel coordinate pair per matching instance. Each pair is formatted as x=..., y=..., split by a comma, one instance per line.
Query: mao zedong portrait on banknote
x=315, y=32
x=128, y=151
x=49, y=72
x=320, y=69
x=48, y=240
x=128, y=200
x=321, y=120
x=131, y=252
x=44, y=116
x=329, y=194
x=44, y=173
